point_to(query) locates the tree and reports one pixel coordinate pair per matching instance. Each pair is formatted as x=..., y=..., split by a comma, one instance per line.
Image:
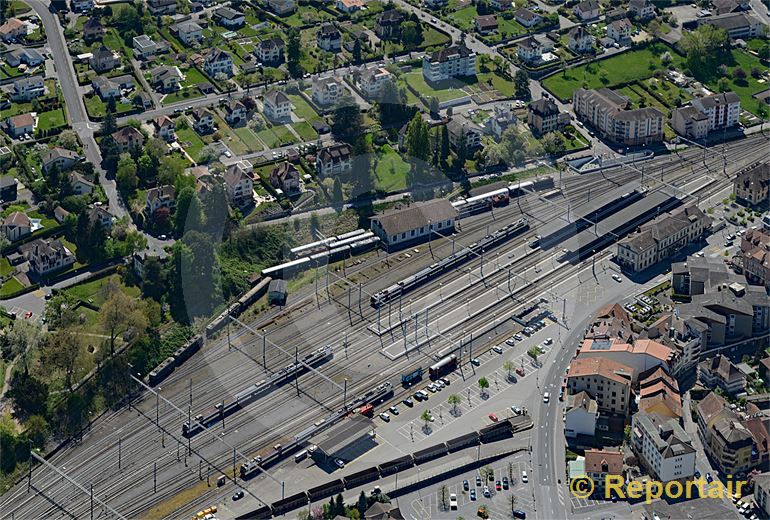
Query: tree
x=29, y=395
x=654, y=28
x=704, y=46
x=337, y=190
x=739, y=74
x=119, y=312
x=126, y=175
x=534, y=353
x=61, y=351
x=347, y=119
x=521, y=85
x=509, y=366
x=434, y=105
x=362, y=503
x=483, y=385
x=356, y=53
x=411, y=35
x=453, y=401
x=627, y=434
x=603, y=76
x=553, y=143
x=444, y=144
x=417, y=138
x=20, y=340
x=189, y=214
x=293, y=53
x=339, y=506
x=426, y=419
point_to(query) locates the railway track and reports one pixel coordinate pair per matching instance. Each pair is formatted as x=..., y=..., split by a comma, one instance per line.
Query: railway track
x=119, y=490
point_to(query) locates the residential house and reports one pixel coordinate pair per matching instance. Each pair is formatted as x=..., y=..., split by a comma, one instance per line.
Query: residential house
x=662, y=237
x=329, y=38
x=15, y=226
x=46, y=255
x=752, y=184
x=620, y=31
x=60, y=214
x=235, y=113
x=642, y=355
x=228, y=17
x=239, y=186
x=128, y=138
x=609, y=382
x=464, y=132
x=659, y=394
x=580, y=415
x=327, y=92
x=372, y=80
x=28, y=88
x=388, y=24
x=416, y=223
x=690, y=122
x=608, y=112
x=161, y=7
x=270, y=51
x=722, y=110
x=12, y=30
x=104, y=60
x=59, y=158
x=543, y=116
x=502, y=117
x=333, y=160
x=99, y=215
x=81, y=6
x=282, y=7
x=189, y=33
x=527, y=17
x=203, y=121
x=452, y=62
x=93, y=29
x=580, y=40
x=730, y=6
x=285, y=177
x=349, y=6
x=28, y=57
x=501, y=5
x=19, y=125
x=587, y=10
x=738, y=25
x=662, y=447
x=719, y=371
x=164, y=128
x=641, y=9
x=382, y=511
x=529, y=50
x=112, y=88
x=755, y=256
x=144, y=47
x=218, y=62
x=8, y=188
x=79, y=184
x=601, y=463
x=277, y=106
x=160, y=197
x=486, y=24
x=165, y=78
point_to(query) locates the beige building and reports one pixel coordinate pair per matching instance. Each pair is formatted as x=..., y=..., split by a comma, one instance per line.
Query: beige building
x=753, y=184
x=662, y=237
x=607, y=381
x=608, y=112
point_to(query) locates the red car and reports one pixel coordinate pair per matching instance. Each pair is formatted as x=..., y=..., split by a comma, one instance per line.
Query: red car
x=493, y=417
x=28, y=315
x=520, y=371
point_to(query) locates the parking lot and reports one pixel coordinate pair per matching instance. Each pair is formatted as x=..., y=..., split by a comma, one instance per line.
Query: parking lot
x=428, y=504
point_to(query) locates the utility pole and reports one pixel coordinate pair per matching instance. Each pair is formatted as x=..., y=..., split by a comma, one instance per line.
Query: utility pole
x=120, y=441
x=155, y=477
x=157, y=408
x=189, y=420
x=345, y=344
x=264, y=349
x=235, y=475
x=296, y=363
x=345, y=394
x=92, y=501
x=229, y=345
x=350, y=316
x=360, y=296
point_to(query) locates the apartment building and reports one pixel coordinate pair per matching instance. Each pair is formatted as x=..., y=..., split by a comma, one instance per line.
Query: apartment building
x=662, y=447
x=601, y=463
x=608, y=112
x=755, y=256
x=720, y=372
x=334, y=159
x=722, y=110
x=452, y=62
x=607, y=381
x=327, y=92
x=543, y=116
x=642, y=355
x=752, y=185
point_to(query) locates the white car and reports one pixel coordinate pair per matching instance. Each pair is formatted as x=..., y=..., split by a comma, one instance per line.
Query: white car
x=452, y=501
x=498, y=349
x=548, y=341
x=524, y=477
x=617, y=278
x=510, y=342
x=340, y=463
x=385, y=417
x=546, y=397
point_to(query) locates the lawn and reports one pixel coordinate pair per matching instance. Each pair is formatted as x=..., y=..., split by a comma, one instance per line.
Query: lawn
x=185, y=94
x=191, y=141
x=744, y=88
x=305, y=131
x=447, y=90
x=5, y=267
x=94, y=289
x=11, y=286
x=51, y=119
x=249, y=138
x=15, y=109
x=97, y=108
x=666, y=90
x=464, y=18
x=192, y=77
x=306, y=15
x=433, y=38
x=624, y=68
x=276, y=136
x=302, y=109
x=502, y=85
x=391, y=171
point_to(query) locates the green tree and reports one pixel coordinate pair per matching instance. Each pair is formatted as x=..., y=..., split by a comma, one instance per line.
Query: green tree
x=417, y=138
x=521, y=85
x=357, y=53
x=347, y=119
x=534, y=353
x=509, y=366
x=453, y=401
x=189, y=214
x=411, y=36
x=704, y=46
x=61, y=351
x=119, y=313
x=444, y=144
x=294, y=53
x=434, y=105
x=553, y=143
x=37, y=430
x=426, y=417
x=29, y=395
x=483, y=385
x=362, y=503
x=126, y=177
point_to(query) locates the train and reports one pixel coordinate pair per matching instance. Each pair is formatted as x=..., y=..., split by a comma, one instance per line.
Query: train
x=443, y=367
x=336, y=251
x=411, y=377
x=480, y=203
x=464, y=255
x=491, y=433
x=250, y=394
x=324, y=244
x=372, y=397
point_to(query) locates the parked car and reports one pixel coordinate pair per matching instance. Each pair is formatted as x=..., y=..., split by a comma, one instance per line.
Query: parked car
x=393, y=410
x=478, y=480
x=505, y=483
x=340, y=463
x=498, y=349
x=516, y=410
x=487, y=492
x=524, y=477
x=238, y=495
x=466, y=485
x=548, y=341
x=476, y=361
x=520, y=371
x=385, y=417
x=472, y=494
x=493, y=417
x=408, y=402
x=510, y=342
